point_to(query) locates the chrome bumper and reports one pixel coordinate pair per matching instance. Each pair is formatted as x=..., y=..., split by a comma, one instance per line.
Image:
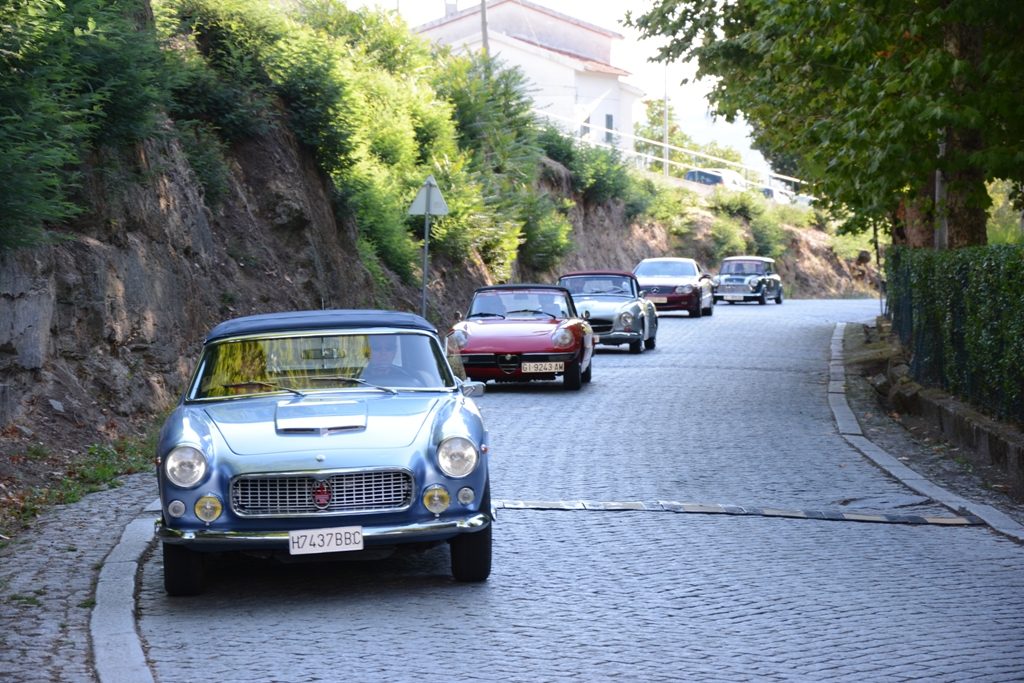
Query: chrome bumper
x=383, y=535
x=616, y=338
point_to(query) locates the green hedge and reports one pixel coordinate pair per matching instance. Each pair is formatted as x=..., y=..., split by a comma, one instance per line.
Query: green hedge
x=961, y=313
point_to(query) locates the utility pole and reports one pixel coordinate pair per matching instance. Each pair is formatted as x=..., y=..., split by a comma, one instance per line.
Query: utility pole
x=483, y=27
x=665, y=124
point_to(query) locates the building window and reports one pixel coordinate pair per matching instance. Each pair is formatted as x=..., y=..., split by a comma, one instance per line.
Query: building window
x=585, y=128
x=609, y=124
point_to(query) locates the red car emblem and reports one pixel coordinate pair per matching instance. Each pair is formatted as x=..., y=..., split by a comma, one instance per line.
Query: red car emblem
x=321, y=495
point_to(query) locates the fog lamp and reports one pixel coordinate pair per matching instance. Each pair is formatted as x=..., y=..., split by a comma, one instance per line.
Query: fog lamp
x=208, y=508
x=175, y=508
x=436, y=499
x=466, y=495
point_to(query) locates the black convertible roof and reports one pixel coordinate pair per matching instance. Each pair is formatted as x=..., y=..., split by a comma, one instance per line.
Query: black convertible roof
x=305, y=321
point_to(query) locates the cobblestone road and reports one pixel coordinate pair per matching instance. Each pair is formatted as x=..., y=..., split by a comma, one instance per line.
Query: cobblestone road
x=728, y=410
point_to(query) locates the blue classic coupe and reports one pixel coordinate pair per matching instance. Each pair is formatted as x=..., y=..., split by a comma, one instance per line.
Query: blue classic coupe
x=336, y=434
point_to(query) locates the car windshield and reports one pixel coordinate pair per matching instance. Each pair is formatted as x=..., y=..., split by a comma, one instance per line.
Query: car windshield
x=616, y=285
x=319, y=362
x=665, y=269
x=520, y=303
x=742, y=268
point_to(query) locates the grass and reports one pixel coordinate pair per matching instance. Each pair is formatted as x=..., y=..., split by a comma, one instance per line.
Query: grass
x=98, y=469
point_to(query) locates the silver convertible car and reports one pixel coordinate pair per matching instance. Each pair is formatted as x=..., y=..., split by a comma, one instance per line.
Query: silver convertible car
x=327, y=435
x=610, y=300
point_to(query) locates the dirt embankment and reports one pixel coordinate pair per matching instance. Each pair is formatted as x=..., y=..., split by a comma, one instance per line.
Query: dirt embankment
x=98, y=332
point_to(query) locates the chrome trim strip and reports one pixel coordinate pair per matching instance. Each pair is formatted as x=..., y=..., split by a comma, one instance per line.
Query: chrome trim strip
x=272, y=539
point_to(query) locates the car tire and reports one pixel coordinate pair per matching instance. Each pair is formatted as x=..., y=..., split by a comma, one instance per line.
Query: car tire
x=572, y=379
x=778, y=297
x=696, y=310
x=651, y=342
x=637, y=346
x=762, y=299
x=588, y=374
x=184, y=571
x=710, y=310
x=471, y=555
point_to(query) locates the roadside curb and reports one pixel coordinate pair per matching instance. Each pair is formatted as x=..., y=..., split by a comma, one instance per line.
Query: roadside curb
x=849, y=428
x=116, y=645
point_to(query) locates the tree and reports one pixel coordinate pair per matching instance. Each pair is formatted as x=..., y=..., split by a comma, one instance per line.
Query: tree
x=869, y=98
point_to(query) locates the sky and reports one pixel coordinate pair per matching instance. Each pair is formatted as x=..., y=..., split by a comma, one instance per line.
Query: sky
x=632, y=54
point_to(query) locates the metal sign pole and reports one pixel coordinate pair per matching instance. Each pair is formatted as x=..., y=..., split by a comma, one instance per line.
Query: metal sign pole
x=426, y=204
x=426, y=251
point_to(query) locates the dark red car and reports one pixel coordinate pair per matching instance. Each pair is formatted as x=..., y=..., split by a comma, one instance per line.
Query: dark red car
x=523, y=332
x=676, y=284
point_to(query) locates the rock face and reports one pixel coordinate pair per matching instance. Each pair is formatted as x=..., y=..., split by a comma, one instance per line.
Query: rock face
x=107, y=322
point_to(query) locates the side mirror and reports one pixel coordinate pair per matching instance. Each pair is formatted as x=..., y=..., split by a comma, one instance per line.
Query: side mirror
x=458, y=315
x=472, y=389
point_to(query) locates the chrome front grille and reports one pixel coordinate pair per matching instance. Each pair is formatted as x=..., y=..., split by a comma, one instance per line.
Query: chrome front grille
x=733, y=289
x=601, y=325
x=350, y=492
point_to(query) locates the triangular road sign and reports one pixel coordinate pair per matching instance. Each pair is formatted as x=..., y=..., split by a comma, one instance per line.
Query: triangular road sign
x=437, y=206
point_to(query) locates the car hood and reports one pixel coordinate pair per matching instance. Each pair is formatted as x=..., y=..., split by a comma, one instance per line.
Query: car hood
x=601, y=306
x=493, y=336
x=277, y=425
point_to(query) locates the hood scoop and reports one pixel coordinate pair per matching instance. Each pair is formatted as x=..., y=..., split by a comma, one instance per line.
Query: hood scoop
x=320, y=417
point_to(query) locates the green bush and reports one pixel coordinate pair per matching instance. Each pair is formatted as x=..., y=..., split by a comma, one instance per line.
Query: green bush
x=768, y=235
x=670, y=206
x=205, y=152
x=73, y=77
x=961, y=314
x=727, y=238
x=746, y=205
x=546, y=233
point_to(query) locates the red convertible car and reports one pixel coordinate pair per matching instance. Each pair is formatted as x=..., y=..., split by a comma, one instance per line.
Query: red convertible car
x=523, y=332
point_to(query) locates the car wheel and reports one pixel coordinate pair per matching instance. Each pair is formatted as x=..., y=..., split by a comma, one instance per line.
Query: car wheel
x=572, y=378
x=778, y=297
x=650, y=342
x=696, y=310
x=710, y=310
x=588, y=374
x=184, y=571
x=471, y=555
x=637, y=346
x=762, y=299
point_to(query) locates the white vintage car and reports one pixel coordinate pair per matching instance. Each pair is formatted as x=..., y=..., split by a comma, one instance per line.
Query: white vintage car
x=610, y=300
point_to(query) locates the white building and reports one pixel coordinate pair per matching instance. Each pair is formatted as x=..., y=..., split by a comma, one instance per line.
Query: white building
x=567, y=63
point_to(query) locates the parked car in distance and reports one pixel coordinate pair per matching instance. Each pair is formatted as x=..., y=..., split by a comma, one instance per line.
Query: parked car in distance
x=323, y=434
x=777, y=195
x=748, y=278
x=717, y=176
x=676, y=284
x=524, y=332
x=610, y=301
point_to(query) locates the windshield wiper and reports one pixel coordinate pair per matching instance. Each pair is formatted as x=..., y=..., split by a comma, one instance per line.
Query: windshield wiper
x=346, y=378
x=533, y=310
x=485, y=314
x=259, y=383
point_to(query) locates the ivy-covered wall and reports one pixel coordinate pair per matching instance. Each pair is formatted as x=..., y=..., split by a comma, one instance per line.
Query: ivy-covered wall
x=961, y=314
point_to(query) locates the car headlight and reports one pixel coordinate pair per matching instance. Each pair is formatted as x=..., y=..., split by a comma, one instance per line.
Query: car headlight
x=185, y=466
x=753, y=281
x=684, y=289
x=460, y=339
x=457, y=456
x=626, y=318
x=562, y=338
